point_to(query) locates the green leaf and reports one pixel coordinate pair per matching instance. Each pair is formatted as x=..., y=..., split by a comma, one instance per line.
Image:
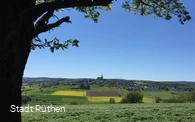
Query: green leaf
x=52, y=49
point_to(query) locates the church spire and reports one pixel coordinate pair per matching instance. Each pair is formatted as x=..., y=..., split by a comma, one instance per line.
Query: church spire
x=102, y=76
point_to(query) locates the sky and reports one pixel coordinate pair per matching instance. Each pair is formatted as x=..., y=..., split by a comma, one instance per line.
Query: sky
x=120, y=45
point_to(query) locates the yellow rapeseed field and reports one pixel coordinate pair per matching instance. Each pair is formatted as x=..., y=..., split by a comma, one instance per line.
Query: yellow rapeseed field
x=117, y=99
x=70, y=93
x=103, y=99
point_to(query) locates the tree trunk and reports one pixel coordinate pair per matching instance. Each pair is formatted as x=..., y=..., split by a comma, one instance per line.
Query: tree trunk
x=16, y=30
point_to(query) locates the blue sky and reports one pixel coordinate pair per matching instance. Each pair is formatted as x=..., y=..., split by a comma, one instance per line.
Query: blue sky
x=120, y=45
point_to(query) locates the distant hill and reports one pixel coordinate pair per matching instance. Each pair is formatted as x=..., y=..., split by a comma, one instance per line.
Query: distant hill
x=114, y=79
x=119, y=83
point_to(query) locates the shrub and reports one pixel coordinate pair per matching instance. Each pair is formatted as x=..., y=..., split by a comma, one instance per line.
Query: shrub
x=157, y=100
x=123, y=100
x=180, y=98
x=133, y=97
x=112, y=101
x=74, y=103
x=192, y=96
x=171, y=100
x=26, y=99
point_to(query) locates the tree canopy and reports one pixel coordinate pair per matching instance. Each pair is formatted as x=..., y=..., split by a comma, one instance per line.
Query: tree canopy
x=46, y=9
x=133, y=97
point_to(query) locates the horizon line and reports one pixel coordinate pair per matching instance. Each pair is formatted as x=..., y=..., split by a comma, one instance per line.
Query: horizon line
x=116, y=78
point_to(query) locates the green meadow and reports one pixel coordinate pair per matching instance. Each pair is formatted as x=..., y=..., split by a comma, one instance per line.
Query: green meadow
x=85, y=111
x=45, y=96
x=161, y=112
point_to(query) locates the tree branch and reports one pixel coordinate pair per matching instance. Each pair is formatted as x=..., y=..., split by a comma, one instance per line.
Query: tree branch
x=51, y=26
x=44, y=19
x=158, y=6
x=57, y=4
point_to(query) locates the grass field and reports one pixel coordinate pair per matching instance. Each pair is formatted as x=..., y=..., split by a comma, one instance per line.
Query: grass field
x=104, y=112
x=148, y=100
x=161, y=94
x=161, y=112
x=70, y=93
x=63, y=94
x=56, y=99
x=147, y=94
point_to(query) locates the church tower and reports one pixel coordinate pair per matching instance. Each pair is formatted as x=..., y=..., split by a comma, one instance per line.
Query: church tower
x=100, y=77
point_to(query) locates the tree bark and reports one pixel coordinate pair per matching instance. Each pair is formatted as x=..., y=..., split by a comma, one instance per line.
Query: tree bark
x=16, y=33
